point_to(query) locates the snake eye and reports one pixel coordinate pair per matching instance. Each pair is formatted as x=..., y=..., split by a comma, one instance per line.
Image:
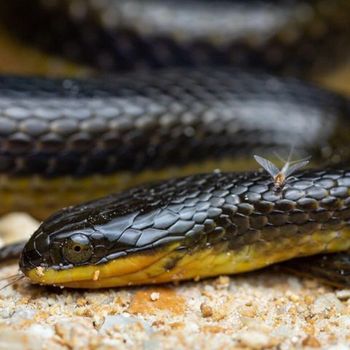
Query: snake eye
x=77, y=248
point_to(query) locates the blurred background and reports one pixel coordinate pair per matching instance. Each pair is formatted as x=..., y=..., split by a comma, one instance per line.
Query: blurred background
x=78, y=38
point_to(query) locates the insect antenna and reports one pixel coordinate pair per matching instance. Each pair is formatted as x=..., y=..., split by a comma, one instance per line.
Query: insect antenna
x=288, y=160
x=280, y=158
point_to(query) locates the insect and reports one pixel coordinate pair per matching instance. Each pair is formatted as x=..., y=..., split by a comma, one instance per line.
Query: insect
x=280, y=176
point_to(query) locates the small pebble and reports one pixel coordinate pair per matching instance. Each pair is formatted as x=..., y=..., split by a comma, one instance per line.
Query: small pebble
x=327, y=302
x=343, y=294
x=255, y=339
x=311, y=342
x=206, y=310
x=154, y=296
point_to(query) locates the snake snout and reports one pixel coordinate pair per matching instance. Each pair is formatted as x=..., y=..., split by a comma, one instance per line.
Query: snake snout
x=35, y=252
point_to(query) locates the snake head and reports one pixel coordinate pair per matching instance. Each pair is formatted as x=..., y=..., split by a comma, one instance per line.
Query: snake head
x=64, y=241
x=57, y=251
x=107, y=237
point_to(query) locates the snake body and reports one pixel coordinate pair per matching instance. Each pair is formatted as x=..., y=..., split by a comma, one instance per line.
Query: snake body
x=88, y=137
x=69, y=140
x=197, y=226
x=290, y=36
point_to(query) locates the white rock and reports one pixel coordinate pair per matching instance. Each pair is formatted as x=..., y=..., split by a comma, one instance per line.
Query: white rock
x=327, y=302
x=344, y=321
x=121, y=320
x=343, y=294
x=23, y=314
x=339, y=347
x=41, y=331
x=254, y=339
x=16, y=227
x=18, y=340
x=283, y=331
x=151, y=344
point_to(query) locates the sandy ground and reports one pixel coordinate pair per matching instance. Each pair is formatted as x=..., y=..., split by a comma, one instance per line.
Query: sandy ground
x=262, y=310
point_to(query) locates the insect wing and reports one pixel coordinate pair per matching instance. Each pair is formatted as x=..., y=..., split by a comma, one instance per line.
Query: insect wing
x=267, y=165
x=295, y=167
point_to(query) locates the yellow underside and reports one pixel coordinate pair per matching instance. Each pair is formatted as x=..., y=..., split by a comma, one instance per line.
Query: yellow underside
x=218, y=260
x=41, y=197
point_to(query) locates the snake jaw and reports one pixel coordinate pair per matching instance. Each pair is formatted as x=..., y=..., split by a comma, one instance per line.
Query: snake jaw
x=128, y=270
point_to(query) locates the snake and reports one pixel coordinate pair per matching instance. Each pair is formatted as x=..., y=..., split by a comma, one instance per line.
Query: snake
x=175, y=145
